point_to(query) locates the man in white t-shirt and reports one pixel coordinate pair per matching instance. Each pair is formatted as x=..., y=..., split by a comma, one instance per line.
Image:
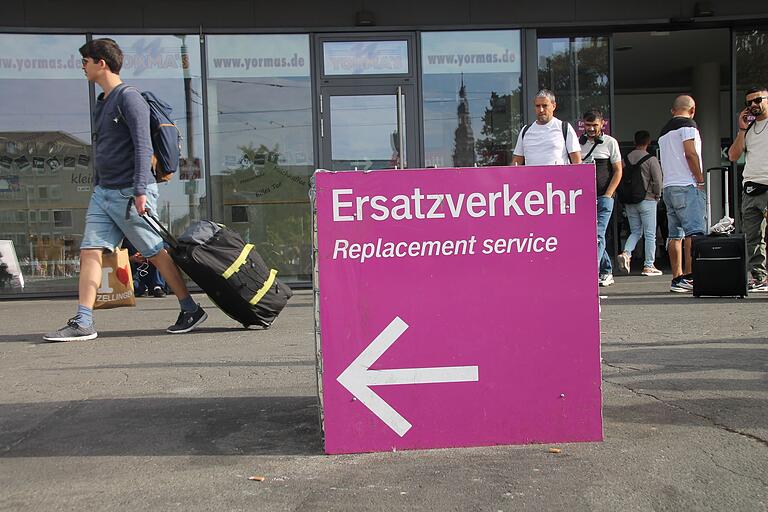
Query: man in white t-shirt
x=547, y=141
x=754, y=199
x=602, y=150
x=680, y=148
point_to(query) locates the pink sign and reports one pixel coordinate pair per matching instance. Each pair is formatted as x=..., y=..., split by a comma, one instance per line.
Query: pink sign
x=458, y=307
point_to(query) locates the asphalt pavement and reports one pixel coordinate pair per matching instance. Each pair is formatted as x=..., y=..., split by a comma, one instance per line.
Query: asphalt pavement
x=142, y=420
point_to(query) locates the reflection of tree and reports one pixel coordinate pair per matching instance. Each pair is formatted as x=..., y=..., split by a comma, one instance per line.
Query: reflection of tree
x=751, y=60
x=578, y=77
x=501, y=124
x=276, y=223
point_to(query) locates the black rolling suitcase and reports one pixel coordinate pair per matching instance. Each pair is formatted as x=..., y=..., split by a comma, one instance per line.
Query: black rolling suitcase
x=229, y=270
x=719, y=261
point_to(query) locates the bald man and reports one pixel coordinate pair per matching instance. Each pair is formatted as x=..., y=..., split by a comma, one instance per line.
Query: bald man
x=680, y=146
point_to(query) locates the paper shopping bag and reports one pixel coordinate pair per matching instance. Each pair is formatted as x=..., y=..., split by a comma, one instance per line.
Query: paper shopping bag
x=116, y=288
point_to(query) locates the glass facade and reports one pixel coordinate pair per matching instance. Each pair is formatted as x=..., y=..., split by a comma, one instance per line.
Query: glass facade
x=576, y=69
x=471, y=82
x=253, y=132
x=45, y=160
x=261, y=145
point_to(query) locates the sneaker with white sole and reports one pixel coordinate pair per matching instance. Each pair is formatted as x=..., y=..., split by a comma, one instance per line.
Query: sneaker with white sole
x=681, y=284
x=73, y=331
x=757, y=285
x=605, y=279
x=651, y=271
x=624, y=260
x=188, y=320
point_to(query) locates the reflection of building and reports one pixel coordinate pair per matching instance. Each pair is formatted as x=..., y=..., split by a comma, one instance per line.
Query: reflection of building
x=464, y=139
x=43, y=210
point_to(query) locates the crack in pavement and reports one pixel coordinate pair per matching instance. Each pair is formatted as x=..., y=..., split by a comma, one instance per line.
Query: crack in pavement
x=714, y=422
x=736, y=473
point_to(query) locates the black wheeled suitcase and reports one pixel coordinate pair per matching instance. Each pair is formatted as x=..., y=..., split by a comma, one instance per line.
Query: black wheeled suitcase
x=229, y=270
x=719, y=261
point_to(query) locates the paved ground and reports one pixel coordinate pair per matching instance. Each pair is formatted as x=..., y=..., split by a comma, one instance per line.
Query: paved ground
x=140, y=420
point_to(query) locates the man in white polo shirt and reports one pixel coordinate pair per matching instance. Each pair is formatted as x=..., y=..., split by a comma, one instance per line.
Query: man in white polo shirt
x=752, y=139
x=602, y=150
x=547, y=141
x=680, y=147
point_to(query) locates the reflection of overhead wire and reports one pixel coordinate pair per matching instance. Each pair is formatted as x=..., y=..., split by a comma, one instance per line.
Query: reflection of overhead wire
x=239, y=112
x=267, y=84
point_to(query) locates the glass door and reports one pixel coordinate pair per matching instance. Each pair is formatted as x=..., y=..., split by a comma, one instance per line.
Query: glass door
x=368, y=127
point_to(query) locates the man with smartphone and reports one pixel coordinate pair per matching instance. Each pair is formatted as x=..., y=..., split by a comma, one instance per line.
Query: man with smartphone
x=751, y=141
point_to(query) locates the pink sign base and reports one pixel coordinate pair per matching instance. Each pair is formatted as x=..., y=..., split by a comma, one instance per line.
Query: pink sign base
x=471, y=322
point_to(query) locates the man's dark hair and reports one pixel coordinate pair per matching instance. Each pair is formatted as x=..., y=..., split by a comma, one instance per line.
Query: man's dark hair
x=104, y=49
x=642, y=138
x=754, y=90
x=592, y=115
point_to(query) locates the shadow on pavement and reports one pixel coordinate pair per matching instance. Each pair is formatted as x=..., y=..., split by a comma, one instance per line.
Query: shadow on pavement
x=162, y=426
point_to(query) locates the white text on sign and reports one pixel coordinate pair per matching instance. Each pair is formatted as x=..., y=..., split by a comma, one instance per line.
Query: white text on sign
x=348, y=207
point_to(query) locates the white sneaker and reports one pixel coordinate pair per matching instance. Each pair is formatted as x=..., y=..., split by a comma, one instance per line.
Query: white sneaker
x=606, y=280
x=651, y=271
x=623, y=259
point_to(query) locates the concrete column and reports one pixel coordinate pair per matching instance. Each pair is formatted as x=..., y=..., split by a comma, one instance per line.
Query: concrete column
x=706, y=92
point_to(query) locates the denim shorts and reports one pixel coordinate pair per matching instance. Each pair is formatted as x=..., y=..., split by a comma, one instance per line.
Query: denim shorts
x=106, y=225
x=685, y=211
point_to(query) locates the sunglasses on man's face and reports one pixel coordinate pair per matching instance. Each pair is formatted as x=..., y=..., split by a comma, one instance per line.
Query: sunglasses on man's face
x=756, y=101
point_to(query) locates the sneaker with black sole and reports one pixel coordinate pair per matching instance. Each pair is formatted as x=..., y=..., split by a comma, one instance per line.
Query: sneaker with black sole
x=681, y=284
x=73, y=331
x=188, y=320
x=158, y=291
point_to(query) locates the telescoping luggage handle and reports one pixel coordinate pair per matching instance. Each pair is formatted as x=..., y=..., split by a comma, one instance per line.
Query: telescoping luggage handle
x=154, y=224
x=727, y=210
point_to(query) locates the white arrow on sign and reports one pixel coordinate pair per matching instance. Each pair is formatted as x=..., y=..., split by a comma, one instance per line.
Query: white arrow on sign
x=358, y=377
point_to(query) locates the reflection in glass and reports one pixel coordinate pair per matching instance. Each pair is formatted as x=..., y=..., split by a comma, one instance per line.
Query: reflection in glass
x=45, y=158
x=365, y=57
x=472, y=107
x=262, y=157
x=364, y=132
x=576, y=70
x=170, y=67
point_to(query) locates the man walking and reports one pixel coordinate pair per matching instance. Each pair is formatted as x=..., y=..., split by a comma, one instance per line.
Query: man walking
x=680, y=146
x=547, y=141
x=122, y=153
x=602, y=150
x=751, y=140
x=642, y=215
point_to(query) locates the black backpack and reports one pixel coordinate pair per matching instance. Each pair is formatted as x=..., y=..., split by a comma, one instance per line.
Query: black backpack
x=631, y=188
x=166, y=139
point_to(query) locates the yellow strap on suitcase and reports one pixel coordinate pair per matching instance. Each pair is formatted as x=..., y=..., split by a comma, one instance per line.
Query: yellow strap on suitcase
x=264, y=289
x=235, y=266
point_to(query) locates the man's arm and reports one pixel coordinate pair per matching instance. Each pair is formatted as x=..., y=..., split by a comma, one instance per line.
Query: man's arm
x=692, y=157
x=575, y=157
x=737, y=148
x=614, y=184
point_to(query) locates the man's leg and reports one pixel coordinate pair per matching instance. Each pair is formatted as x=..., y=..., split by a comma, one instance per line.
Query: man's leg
x=90, y=276
x=753, y=224
x=604, y=211
x=675, y=250
x=170, y=272
x=687, y=256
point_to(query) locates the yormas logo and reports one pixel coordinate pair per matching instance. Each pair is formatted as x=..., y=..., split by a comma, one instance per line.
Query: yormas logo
x=150, y=55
